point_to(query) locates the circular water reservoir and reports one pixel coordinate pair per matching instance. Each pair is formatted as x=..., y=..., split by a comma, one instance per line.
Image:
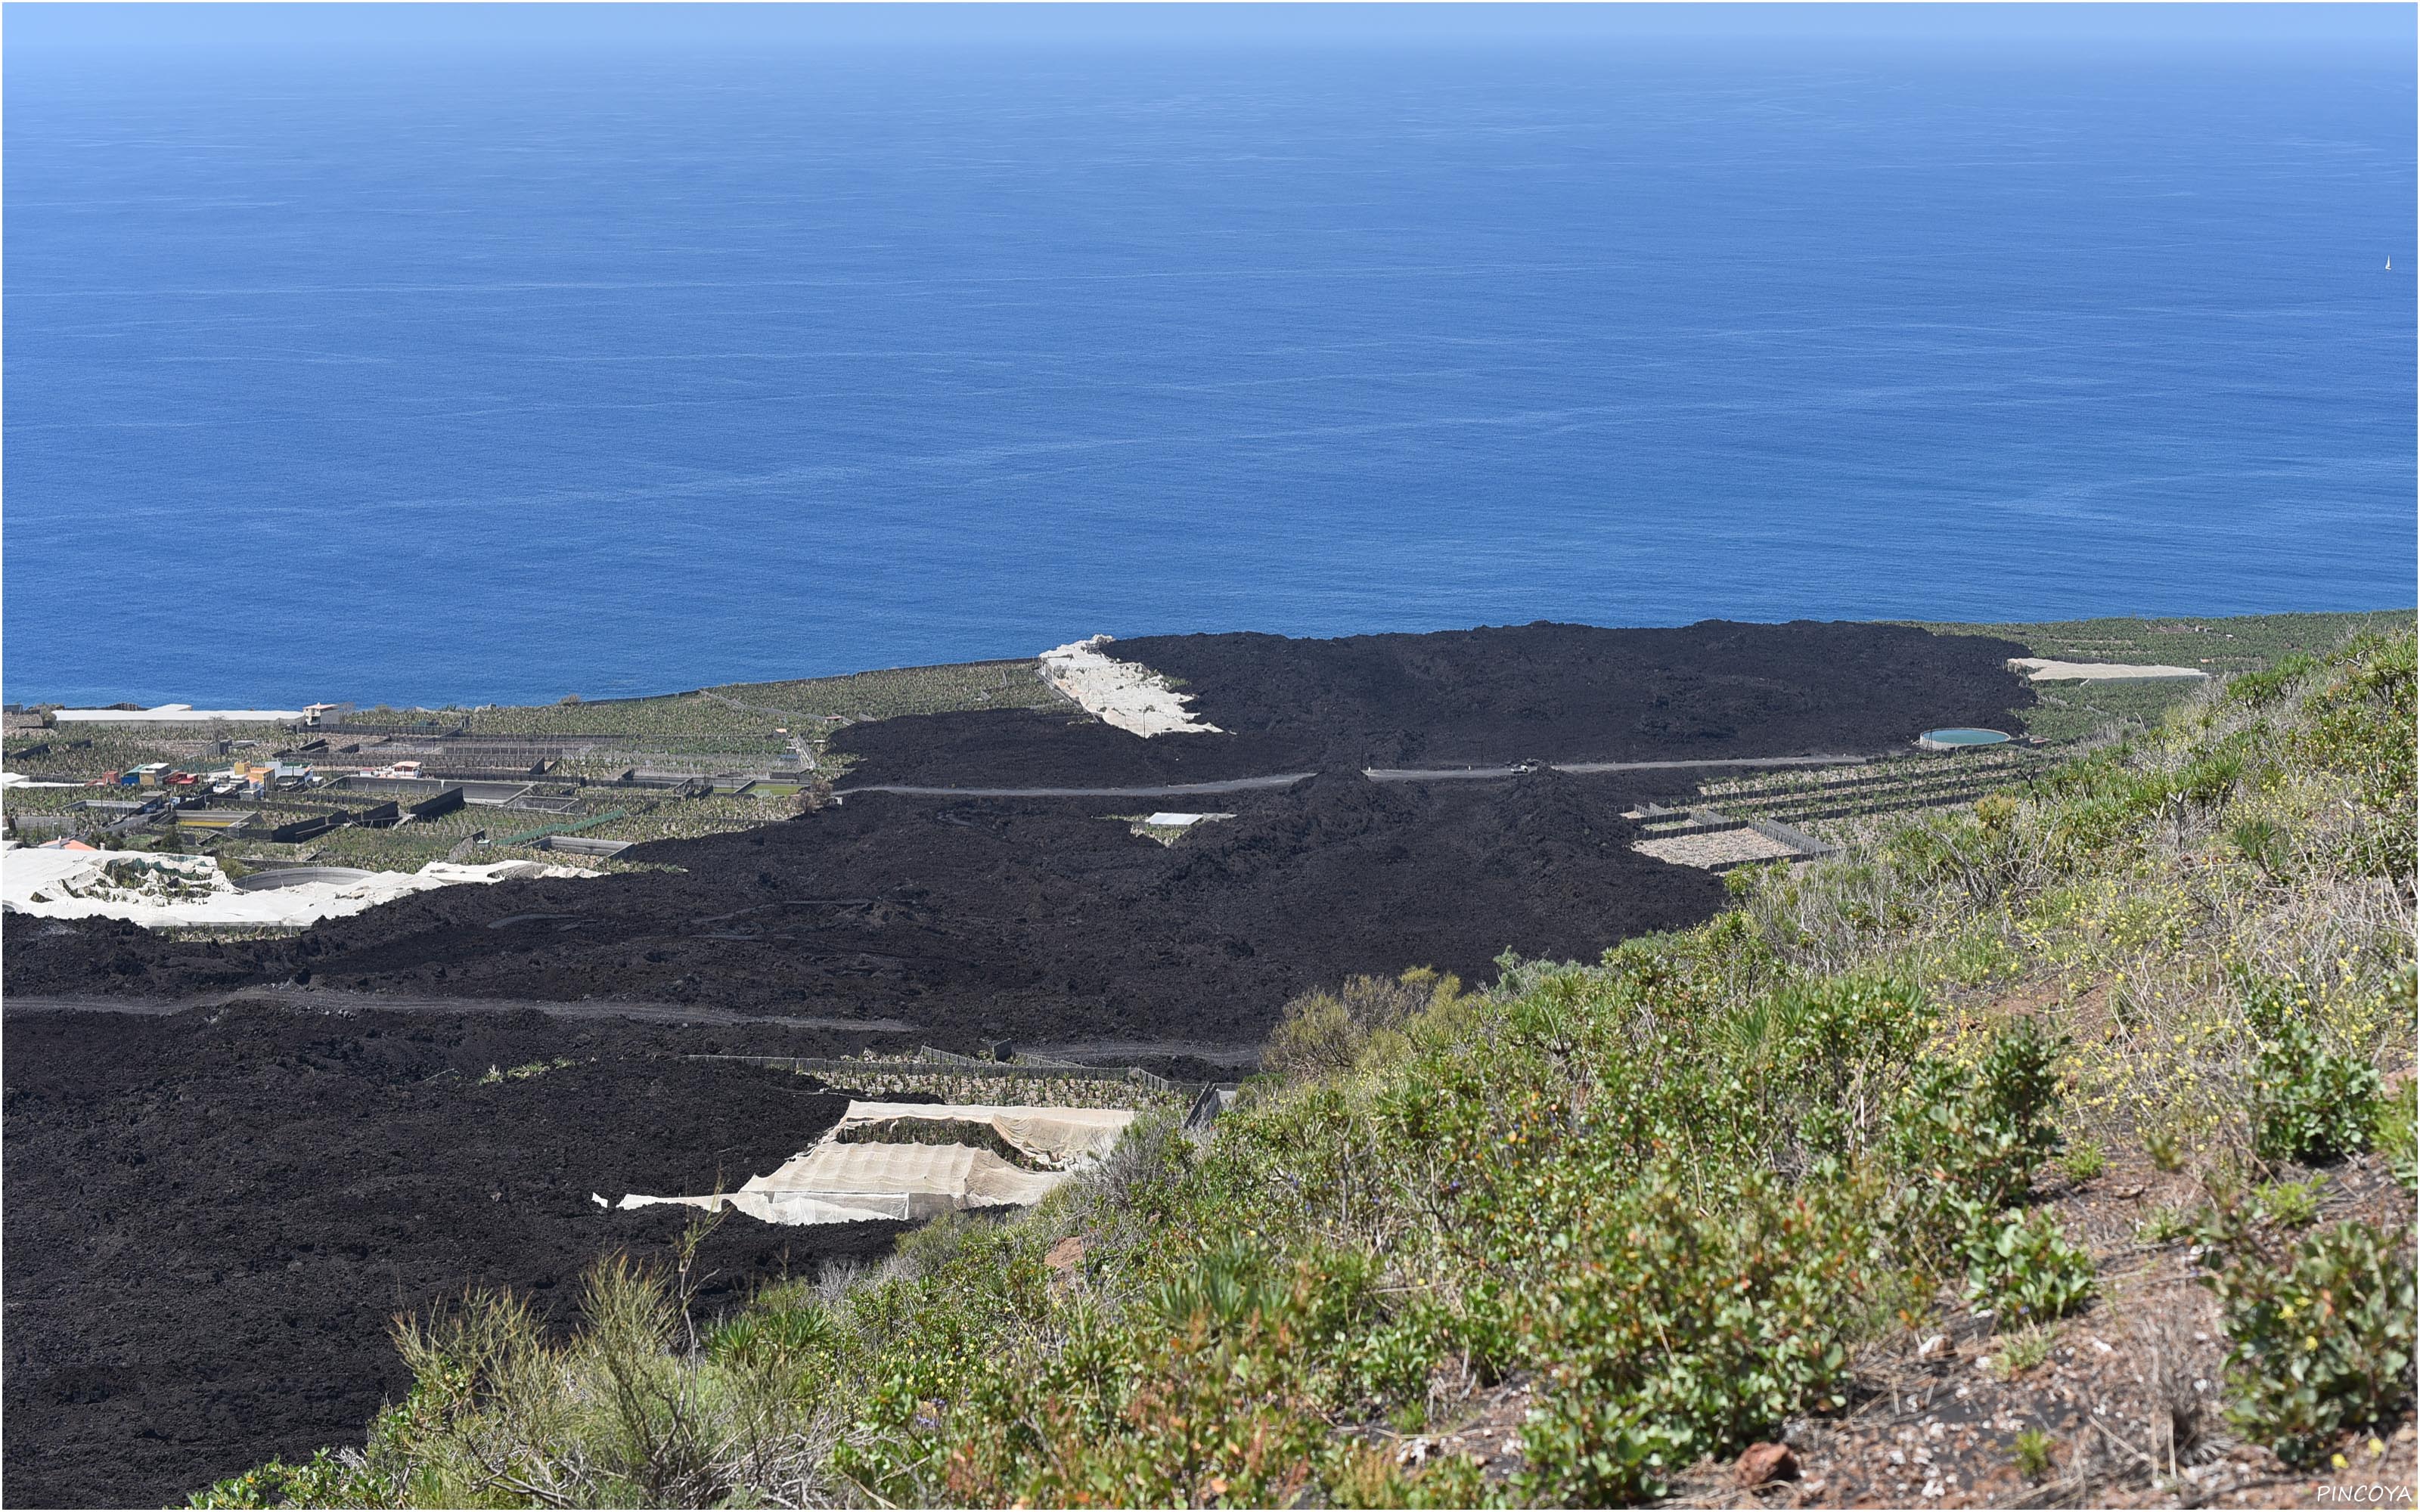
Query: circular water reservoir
x=1960, y=738
x=294, y=877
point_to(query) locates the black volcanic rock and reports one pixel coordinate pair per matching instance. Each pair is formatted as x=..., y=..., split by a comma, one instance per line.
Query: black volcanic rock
x=1487, y=697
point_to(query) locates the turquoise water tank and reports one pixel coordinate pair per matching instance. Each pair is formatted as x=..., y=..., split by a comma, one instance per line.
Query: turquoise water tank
x=1960, y=738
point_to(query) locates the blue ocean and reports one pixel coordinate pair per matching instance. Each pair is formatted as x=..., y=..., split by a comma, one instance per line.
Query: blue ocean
x=492, y=356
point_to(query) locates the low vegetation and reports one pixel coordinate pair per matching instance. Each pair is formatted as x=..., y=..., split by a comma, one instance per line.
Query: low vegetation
x=2320, y=1325
x=1075, y=1090
x=2073, y=711
x=79, y=752
x=2067, y=712
x=2237, y=643
x=1650, y=1208
x=741, y=715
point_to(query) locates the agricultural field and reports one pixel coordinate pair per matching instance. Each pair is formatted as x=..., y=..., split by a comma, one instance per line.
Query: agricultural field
x=2073, y=711
x=946, y=1084
x=2237, y=643
x=488, y=834
x=740, y=728
x=1847, y=806
x=748, y=713
x=1839, y=803
x=79, y=753
x=763, y=727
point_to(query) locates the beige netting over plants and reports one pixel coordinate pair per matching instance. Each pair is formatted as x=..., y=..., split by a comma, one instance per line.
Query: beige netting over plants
x=848, y=1177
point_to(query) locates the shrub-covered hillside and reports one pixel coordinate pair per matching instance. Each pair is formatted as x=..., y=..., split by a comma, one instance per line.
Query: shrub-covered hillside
x=1934, y=1161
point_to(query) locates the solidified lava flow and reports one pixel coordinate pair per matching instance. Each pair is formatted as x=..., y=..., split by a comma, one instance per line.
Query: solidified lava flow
x=1542, y=692
x=1034, y=918
x=211, y=1217
x=213, y=1214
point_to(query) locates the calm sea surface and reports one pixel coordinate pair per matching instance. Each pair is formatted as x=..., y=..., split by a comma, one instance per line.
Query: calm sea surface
x=504, y=375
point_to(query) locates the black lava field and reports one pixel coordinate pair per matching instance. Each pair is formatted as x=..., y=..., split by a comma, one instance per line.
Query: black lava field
x=213, y=1213
x=1038, y=919
x=1479, y=698
x=211, y=1217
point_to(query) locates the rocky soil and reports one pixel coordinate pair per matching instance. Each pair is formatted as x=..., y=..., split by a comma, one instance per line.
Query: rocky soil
x=2127, y=1393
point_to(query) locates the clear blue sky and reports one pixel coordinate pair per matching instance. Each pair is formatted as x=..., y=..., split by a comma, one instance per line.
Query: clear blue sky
x=2377, y=34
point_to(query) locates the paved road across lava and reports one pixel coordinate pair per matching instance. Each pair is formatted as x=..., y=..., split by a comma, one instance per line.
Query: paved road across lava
x=1375, y=774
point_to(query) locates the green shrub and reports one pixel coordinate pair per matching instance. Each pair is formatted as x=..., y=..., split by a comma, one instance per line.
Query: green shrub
x=2396, y=1131
x=2359, y=723
x=1323, y=1034
x=2309, y=1103
x=2360, y=719
x=2166, y=1151
x=323, y=1480
x=2032, y=1450
x=1686, y=1332
x=2163, y=1226
x=2320, y=1329
x=2253, y=690
x=2288, y=1204
x=1981, y=1133
x=2266, y=846
x=2021, y=1268
x=2084, y=1162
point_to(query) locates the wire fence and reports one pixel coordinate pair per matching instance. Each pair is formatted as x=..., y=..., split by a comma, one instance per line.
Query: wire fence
x=941, y=1062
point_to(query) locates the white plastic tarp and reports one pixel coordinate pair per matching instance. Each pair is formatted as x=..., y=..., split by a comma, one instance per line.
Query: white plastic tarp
x=159, y=891
x=855, y=1181
x=1057, y=1137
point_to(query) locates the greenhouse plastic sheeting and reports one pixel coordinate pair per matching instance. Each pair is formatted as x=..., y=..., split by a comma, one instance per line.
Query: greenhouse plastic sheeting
x=1056, y=1136
x=860, y=1181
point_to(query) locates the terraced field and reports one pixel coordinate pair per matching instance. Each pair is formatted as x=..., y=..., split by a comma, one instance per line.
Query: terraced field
x=1832, y=802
